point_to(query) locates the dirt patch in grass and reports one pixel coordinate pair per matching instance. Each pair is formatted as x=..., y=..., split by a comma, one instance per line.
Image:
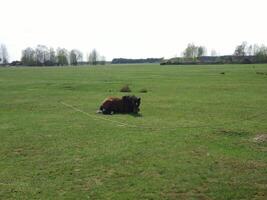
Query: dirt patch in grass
x=68, y=87
x=144, y=90
x=260, y=138
x=125, y=88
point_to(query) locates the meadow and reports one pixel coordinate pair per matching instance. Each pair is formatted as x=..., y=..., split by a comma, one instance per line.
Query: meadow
x=200, y=133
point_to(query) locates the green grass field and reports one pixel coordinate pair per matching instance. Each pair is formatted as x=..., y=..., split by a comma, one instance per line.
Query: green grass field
x=194, y=139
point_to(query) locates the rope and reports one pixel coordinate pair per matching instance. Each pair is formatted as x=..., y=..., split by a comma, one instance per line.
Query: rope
x=153, y=128
x=96, y=117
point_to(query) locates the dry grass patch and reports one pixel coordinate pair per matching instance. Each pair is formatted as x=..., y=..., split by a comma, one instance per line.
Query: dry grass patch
x=260, y=138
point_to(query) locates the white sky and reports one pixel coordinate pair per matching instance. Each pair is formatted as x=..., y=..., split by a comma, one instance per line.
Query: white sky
x=132, y=28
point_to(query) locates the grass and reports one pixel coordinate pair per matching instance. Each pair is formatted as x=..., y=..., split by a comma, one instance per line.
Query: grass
x=193, y=139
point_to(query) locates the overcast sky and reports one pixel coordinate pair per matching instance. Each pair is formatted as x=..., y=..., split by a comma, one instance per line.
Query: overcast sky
x=132, y=28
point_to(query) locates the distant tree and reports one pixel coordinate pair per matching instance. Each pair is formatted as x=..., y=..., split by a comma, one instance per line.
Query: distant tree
x=201, y=51
x=62, y=56
x=52, y=57
x=102, y=60
x=42, y=55
x=28, y=57
x=93, y=57
x=240, y=50
x=261, y=54
x=4, y=54
x=76, y=56
x=191, y=51
x=255, y=49
x=249, y=50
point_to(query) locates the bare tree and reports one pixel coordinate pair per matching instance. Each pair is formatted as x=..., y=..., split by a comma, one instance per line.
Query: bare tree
x=261, y=54
x=201, y=51
x=240, y=50
x=62, y=56
x=76, y=56
x=4, y=54
x=102, y=60
x=193, y=51
x=93, y=57
x=52, y=57
x=249, y=50
x=190, y=51
x=28, y=57
x=255, y=49
x=42, y=54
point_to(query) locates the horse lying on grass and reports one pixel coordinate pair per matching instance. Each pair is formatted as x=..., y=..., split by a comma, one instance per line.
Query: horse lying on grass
x=126, y=104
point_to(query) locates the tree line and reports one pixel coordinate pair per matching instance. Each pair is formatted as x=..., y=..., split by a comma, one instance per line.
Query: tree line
x=44, y=56
x=244, y=49
x=243, y=53
x=41, y=55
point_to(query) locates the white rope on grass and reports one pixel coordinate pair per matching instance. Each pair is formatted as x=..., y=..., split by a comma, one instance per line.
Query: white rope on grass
x=121, y=124
x=96, y=117
x=153, y=128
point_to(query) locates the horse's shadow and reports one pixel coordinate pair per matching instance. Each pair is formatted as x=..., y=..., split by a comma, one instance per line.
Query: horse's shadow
x=131, y=114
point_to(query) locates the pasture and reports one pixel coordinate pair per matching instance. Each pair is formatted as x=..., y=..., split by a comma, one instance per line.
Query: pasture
x=196, y=136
